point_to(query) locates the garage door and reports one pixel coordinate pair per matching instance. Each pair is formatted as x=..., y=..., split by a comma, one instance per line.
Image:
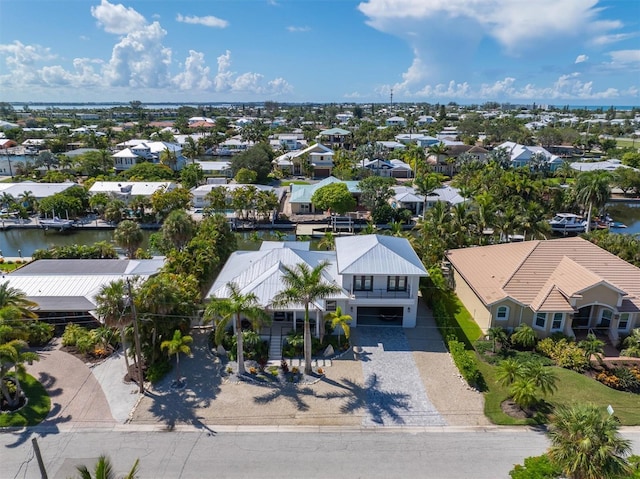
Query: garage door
x=379, y=316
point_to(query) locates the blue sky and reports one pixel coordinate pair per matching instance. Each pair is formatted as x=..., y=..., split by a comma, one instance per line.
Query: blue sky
x=522, y=51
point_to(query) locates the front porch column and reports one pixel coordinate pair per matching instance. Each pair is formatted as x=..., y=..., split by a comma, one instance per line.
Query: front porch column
x=317, y=323
x=295, y=320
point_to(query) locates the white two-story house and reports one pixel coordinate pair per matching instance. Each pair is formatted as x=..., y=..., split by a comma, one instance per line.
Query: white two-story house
x=378, y=279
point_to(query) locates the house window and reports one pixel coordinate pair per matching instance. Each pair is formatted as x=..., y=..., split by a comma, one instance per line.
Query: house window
x=623, y=322
x=605, y=318
x=557, y=322
x=541, y=320
x=363, y=283
x=503, y=313
x=331, y=305
x=397, y=283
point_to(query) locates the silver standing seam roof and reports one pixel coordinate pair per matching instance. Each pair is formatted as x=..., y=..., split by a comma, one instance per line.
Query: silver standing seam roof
x=65, y=285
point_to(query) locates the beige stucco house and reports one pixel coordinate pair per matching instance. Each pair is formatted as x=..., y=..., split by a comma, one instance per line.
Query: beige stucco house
x=566, y=285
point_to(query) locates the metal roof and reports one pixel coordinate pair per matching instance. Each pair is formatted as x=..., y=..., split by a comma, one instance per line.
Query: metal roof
x=377, y=255
x=72, y=284
x=260, y=272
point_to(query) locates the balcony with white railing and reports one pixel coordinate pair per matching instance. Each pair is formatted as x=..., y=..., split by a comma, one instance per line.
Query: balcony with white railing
x=381, y=294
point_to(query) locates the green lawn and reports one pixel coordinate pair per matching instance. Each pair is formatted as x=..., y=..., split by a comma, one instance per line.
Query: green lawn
x=572, y=387
x=457, y=310
x=627, y=142
x=294, y=182
x=36, y=409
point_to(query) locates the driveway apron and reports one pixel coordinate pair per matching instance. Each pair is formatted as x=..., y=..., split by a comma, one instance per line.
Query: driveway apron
x=395, y=392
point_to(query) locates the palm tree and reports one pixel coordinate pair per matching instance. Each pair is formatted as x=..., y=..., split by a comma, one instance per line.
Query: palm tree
x=111, y=306
x=564, y=171
x=305, y=285
x=328, y=241
x=497, y=335
x=508, y=371
x=13, y=298
x=28, y=200
x=178, y=228
x=233, y=308
x=592, y=346
x=586, y=443
x=543, y=377
x=338, y=319
x=12, y=355
x=128, y=235
x=593, y=190
x=104, y=470
x=175, y=346
x=524, y=336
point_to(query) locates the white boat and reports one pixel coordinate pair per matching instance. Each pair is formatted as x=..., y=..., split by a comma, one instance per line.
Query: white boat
x=57, y=223
x=568, y=223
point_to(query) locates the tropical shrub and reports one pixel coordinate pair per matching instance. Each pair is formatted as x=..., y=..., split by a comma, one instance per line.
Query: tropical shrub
x=156, y=371
x=537, y=467
x=40, y=333
x=566, y=354
x=467, y=363
x=71, y=334
x=621, y=378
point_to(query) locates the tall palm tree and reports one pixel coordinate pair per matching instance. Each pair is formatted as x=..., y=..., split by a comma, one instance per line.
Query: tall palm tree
x=179, y=228
x=111, y=307
x=234, y=308
x=593, y=190
x=586, y=443
x=104, y=470
x=304, y=285
x=175, y=346
x=128, y=235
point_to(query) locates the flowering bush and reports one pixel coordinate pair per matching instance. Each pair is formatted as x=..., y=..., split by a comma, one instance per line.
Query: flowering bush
x=566, y=354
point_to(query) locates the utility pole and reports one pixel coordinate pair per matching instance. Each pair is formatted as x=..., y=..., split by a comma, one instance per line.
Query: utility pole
x=36, y=449
x=136, y=337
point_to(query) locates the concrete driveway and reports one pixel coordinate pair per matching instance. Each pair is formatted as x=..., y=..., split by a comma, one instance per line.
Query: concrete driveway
x=77, y=398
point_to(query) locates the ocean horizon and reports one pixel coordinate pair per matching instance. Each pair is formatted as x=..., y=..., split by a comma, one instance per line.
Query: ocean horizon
x=18, y=105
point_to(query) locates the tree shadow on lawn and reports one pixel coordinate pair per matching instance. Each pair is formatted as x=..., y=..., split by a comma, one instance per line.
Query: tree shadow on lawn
x=378, y=403
x=45, y=428
x=202, y=378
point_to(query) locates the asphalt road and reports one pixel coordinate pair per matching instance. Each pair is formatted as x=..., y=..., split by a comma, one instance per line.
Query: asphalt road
x=310, y=453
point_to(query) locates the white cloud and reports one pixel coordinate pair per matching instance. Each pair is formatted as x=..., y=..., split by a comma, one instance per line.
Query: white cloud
x=352, y=95
x=581, y=58
x=441, y=30
x=196, y=74
x=117, y=19
x=612, y=38
x=207, y=21
x=566, y=87
x=228, y=81
x=298, y=29
x=625, y=56
x=139, y=60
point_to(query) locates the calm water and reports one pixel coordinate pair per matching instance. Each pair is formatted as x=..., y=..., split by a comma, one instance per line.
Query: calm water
x=627, y=213
x=29, y=240
x=26, y=241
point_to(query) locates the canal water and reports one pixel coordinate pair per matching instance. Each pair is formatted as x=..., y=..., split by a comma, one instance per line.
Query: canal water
x=15, y=242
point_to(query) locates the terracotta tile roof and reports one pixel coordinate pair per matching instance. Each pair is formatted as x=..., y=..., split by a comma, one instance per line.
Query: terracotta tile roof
x=530, y=272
